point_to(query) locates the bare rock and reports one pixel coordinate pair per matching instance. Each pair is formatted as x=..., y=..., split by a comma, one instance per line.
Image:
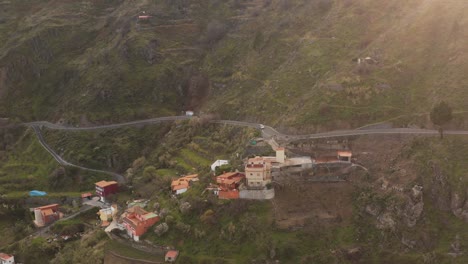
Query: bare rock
x=440, y=189
x=456, y=204
x=373, y=209
x=408, y=242
x=456, y=247
x=416, y=193
x=385, y=221
x=413, y=213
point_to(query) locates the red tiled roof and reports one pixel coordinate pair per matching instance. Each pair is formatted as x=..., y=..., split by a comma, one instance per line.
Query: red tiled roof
x=5, y=256
x=184, y=182
x=172, y=254
x=47, y=212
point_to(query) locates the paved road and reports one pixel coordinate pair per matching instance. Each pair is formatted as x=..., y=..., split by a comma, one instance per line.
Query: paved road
x=119, y=178
x=111, y=126
x=268, y=132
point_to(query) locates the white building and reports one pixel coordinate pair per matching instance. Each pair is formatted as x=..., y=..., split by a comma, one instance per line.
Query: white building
x=6, y=259
x=218, y=163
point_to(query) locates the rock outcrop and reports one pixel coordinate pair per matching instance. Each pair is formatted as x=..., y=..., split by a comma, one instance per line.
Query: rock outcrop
x=414, y=206
x=459, y=205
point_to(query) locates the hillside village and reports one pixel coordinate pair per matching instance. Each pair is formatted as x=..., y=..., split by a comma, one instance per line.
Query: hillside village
x=131, y=131
x=129, y=223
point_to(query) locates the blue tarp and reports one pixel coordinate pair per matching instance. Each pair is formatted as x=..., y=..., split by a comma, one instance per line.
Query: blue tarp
x=37, y=193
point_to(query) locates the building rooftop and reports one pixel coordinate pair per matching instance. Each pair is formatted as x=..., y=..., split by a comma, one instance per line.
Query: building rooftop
x=45, y=207
x=47, y=212
x=84, y=195
x=230, y=178
x=218, y=163
x=345, y=153
x=137, y=218
x=183, y=182
x=149, y=216
x=172, y=254
x=103, y=184
x=5, y=256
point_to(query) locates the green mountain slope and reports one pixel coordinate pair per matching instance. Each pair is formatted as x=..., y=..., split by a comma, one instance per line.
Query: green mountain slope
x=292, y=63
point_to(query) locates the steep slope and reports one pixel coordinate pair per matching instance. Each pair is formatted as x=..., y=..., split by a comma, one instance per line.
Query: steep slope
x=96, y=60
x=308, y=64
x=304, y=62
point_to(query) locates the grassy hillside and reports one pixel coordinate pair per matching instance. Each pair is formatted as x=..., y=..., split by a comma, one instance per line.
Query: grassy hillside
x=94, y=60
x=292, y=63
x=296, y=62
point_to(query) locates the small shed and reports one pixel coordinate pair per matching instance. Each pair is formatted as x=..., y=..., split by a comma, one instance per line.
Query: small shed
x=171, y=255
x=344, y=156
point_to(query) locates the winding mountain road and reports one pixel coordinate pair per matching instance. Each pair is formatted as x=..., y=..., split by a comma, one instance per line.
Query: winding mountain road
x=268, y=132
x=119, y=178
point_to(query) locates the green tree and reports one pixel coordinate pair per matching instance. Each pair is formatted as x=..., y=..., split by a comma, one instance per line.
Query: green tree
x=441, y=114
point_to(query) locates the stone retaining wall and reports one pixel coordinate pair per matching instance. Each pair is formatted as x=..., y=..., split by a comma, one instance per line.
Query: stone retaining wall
x=257, y=194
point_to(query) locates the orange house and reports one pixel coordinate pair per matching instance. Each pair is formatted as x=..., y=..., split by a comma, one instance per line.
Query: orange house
x=181, y=185
x=229, y=185
x=137, y=221
x=46, y=215
x=230, y=180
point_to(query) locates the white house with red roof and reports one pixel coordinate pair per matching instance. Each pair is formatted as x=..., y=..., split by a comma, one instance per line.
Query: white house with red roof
x=6, y=259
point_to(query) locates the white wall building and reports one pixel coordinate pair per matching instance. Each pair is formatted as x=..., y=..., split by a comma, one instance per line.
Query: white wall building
x=6, y=259
x=218, y=163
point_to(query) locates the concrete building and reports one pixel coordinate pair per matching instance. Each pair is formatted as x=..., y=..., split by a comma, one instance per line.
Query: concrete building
x=171, y=256
x=137, y=221
x=107, y=214
x=6, y=259
x=46, y=215
x=106, y=188
x=181, y=185
x=258, y=172
x=218, y=163
x=229, y=185
x=344, y=156
x=280, y=156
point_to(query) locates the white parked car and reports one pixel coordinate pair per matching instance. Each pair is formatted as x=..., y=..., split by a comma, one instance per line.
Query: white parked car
x=262, y=126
